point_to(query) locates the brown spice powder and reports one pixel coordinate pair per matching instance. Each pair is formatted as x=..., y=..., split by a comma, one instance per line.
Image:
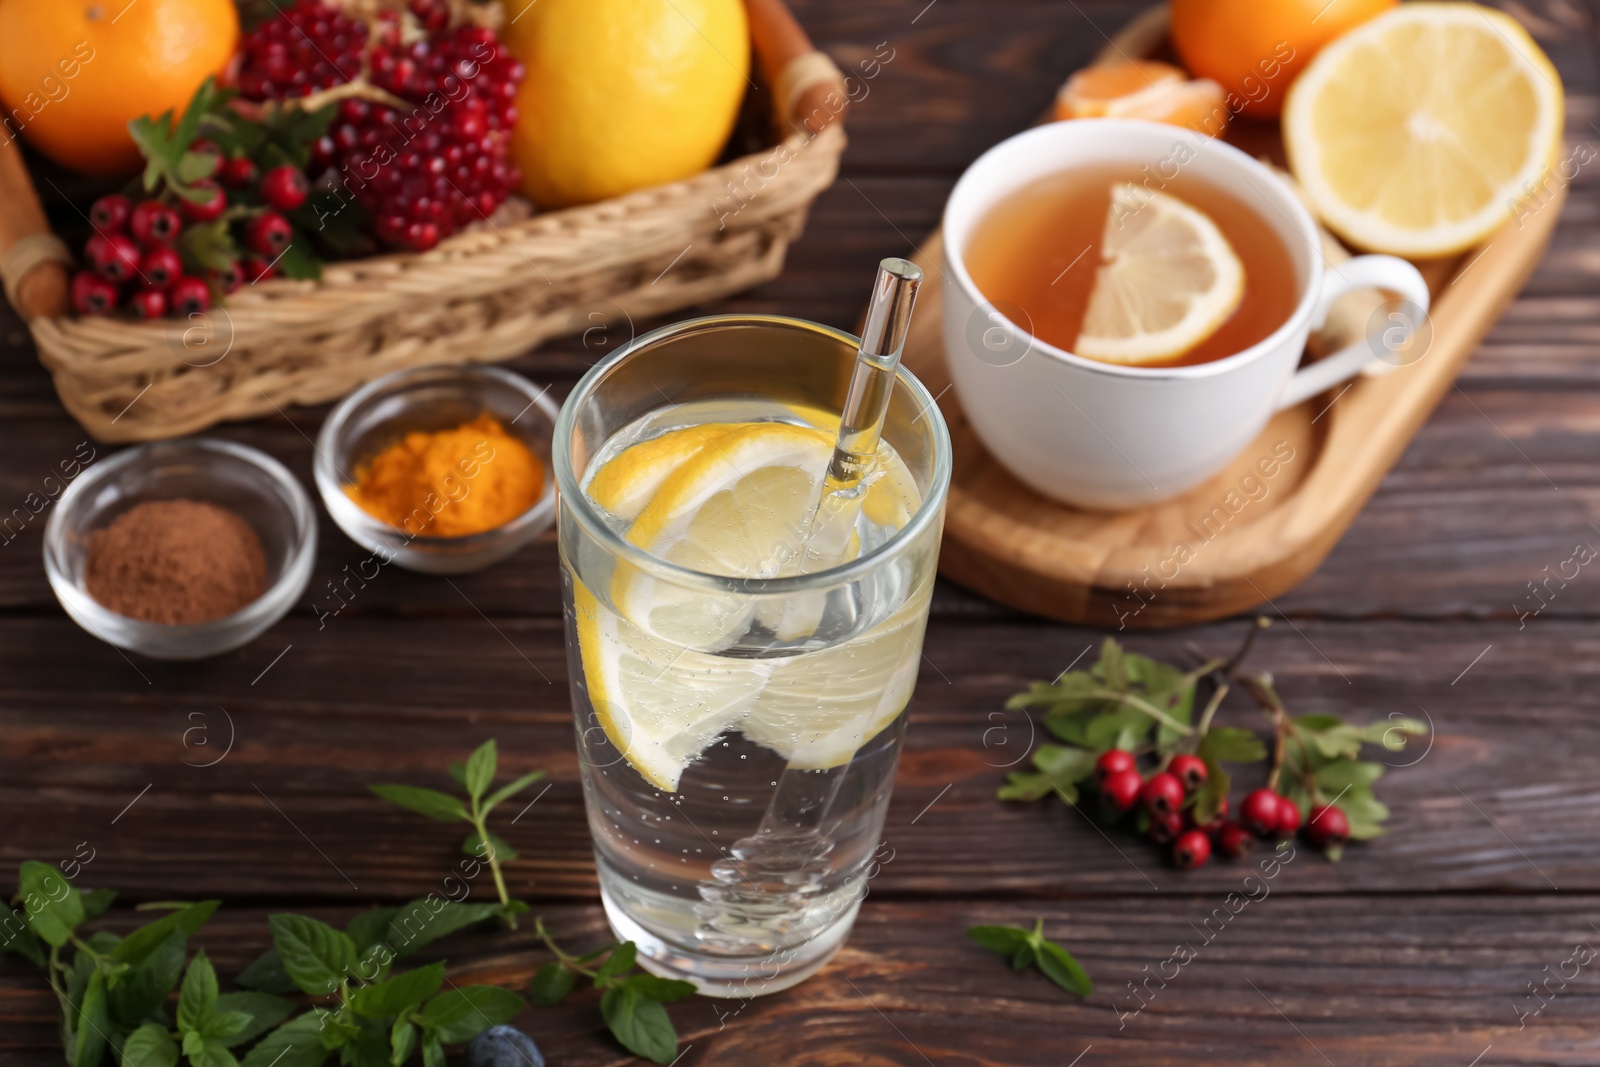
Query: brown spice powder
x=175, y=562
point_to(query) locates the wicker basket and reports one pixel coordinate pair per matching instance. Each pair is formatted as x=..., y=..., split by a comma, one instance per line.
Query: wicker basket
x=479, y=296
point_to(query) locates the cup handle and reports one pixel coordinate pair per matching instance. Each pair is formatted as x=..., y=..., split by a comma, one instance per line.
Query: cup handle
x=1362, y=272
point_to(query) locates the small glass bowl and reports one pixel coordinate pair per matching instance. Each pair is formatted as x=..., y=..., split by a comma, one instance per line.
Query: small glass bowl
x=432, y=399
x=210, y=470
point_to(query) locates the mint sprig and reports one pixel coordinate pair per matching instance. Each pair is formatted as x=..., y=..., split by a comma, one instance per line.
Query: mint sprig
x=476, y=775
x=1030, y=948
x=631, y=1001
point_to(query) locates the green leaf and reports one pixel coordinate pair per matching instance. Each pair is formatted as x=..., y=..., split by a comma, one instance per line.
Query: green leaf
x=373, y=963
x=208, y=246
x=620, y=960
x=194, y=1043
x=501, y=851
x=428, y=919
x=432, y=1052
x=265, y=974
x=197, y=999
x=96, y=902
x=654, y=987
x=224, y=1027
x=481, y=766
x=1112, y=668
x=149, y=1046
x=192, y=166
x=1060, y=769
x=458, y=771
x=511, y=789
x=1002, y=939
x=264, y=1011
x=17, y=937
x=403, y=1040
x=297, y=1043
x=143, y=990
x=383, y=999
x=466, y=1011
x=430, y=802
x=214, y=1056
x=551, y=984
x=1061, y=968
x=1232, y=745
x=92, y=1024
x=642, y=1026
x=145, y=940
x=1022, y=956
x=53, y=908
x=314, y=954
x=369, y=927
x=299, y=262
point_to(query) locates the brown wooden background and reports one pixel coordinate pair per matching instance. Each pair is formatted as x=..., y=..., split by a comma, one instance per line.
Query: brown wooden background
x=1417, y=949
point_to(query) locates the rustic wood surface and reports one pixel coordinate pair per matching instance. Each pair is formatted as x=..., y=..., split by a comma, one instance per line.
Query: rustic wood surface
x=1417, y=949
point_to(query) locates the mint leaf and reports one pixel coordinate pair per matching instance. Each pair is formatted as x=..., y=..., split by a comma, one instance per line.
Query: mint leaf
x=1061, y=968
x=383, y=999
x=149, y=1046
x=466, y=1011
x=620, y=960
x=432, y=1052
x=17, y=937
x=511, y=790
x=654, y=987
x=429, y=802
x=402, y=1040
x=1002, y=939
x=197, y=999
x=224, y=1027
x=263, y=1011
x=53, y=908
x=426, y=920
x=265, y=974
x=145, y=940
x=498, y=848
x=368, y=928
x=96, y=902
x=480, y=769
x=1031, y=948
x=551, y=984
x=642, y=1026
x=213, y=1056
x=92, y=1023
x=142, y=991
x=314, y=954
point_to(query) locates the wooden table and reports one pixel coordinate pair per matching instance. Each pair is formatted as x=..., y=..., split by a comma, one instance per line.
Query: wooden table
x=1417, y=949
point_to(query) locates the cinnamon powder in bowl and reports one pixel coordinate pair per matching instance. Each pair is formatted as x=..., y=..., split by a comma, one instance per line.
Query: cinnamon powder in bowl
x=176, y=562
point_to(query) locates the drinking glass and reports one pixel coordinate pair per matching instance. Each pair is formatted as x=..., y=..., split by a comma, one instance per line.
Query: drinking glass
x=737, y=764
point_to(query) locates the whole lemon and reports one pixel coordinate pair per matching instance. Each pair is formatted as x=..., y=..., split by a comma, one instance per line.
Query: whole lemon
x=74, y=73
x=1254, y=48
x=623, y=94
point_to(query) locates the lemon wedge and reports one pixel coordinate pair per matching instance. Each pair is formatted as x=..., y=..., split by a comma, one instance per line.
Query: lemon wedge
x=1167, y=279
x=626, y=484
x=1424, y=130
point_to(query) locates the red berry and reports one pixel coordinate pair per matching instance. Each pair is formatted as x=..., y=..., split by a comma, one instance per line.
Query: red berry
x=153, y=222
x=238, y=173
x=205, y=145
x=1111, y=761
x=110, y=213
x=1259, y=812
x=1328, y=827
x=257, y=270
x=1191, y=850
x=1191, y=771
x=1162, y=794
x=268, y=234
x=92, y=294
x=1165, y=827
x=229, y=278
x=209, y=209
x=189, y=296
x=149, y=303
x=1234, y=840
x=1121, y=789
x=160, y=267
x=1288, y=817
x=115, y=256
x=284, y=188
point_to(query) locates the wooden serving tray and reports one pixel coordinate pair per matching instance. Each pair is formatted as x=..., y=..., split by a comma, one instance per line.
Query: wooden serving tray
x=1231, y=543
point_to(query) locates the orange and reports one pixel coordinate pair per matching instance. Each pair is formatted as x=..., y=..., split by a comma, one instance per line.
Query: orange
x=1143, y=89
x=74, y=73
x=1254, y=48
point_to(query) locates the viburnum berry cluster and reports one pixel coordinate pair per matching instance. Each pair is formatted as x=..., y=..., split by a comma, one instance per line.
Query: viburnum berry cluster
x=212, y=211
x=423, y=107
x=1129, y=737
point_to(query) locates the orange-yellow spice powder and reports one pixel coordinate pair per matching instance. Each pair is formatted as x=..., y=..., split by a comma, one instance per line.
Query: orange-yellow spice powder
x=450, y=483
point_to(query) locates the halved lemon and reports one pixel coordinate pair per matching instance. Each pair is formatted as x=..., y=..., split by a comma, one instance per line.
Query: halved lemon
x=1167, y=279
x=1423, y=131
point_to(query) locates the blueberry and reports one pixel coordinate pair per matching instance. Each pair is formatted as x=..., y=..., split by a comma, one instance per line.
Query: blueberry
x=503, y=1046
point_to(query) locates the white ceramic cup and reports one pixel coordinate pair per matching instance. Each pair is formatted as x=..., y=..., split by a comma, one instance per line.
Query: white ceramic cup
x=1103, y=435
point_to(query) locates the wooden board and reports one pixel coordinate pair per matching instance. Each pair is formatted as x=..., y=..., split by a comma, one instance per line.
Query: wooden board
x=1126, y=569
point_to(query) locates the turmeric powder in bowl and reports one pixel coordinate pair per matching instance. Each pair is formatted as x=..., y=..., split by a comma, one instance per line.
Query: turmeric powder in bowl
x=450, y=483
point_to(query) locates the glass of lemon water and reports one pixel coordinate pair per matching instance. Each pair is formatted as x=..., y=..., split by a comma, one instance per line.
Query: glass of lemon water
x=739, y=706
